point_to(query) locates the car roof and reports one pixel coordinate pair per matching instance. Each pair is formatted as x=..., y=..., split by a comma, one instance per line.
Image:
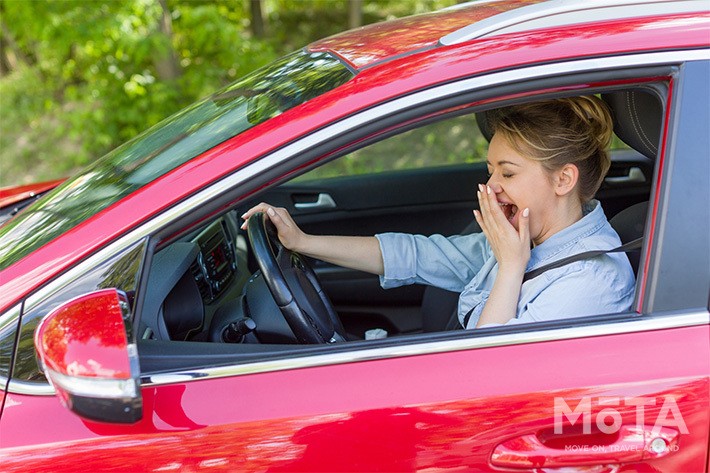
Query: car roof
x=373, y=44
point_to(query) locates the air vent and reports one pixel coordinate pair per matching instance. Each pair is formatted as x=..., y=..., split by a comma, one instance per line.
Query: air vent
x=202, y=285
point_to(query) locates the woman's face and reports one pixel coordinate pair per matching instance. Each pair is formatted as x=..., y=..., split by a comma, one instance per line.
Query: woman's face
x=520, y=182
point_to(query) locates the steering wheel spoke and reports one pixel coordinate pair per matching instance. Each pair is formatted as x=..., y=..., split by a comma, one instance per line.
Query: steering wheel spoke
x=294, y=286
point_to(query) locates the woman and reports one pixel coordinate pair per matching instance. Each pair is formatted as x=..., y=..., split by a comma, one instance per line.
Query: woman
x=546, y=161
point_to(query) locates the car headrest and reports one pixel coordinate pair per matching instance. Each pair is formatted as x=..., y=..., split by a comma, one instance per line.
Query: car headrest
x=637, y=116
x=482, y=122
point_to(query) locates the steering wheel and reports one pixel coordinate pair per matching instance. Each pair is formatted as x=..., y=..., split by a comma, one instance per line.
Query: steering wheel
x=294, y=286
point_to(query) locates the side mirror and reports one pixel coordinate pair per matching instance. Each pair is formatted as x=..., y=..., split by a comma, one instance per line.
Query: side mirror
x=84, y=351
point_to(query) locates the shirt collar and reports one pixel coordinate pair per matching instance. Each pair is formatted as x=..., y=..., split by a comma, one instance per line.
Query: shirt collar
x=592, y=220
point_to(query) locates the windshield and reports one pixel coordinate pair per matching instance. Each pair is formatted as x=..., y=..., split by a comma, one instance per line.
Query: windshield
x=264, y=94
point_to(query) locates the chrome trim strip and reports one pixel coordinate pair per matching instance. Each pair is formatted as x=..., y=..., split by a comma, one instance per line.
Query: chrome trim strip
x=31, y=389
x=9, y=321
x=94, y=387
x=632, y=325
x=345, y=125
x=556, y=13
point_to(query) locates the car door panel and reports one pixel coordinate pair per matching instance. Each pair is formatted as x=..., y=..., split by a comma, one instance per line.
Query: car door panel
x=439, y=410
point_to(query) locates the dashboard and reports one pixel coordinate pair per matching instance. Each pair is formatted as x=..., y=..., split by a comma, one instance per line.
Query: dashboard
x=191, y=279
x=216, y=264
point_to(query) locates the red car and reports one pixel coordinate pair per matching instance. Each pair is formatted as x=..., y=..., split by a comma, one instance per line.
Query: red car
x=142, y=330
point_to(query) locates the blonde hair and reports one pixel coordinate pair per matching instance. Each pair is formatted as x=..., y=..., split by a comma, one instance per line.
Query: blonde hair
x=557, y=132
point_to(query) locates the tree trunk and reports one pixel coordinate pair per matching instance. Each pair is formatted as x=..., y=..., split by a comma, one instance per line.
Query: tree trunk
x=11, y=51
x=354, y=13
x=258, y=28
x=164, y=58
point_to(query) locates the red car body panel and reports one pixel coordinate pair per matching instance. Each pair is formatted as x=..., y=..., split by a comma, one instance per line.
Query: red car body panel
x=12, y=195
x=374, y=43
x=409, y=407
x=374, y=85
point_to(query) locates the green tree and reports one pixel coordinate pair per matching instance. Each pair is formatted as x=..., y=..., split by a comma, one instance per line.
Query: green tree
x=78, y=78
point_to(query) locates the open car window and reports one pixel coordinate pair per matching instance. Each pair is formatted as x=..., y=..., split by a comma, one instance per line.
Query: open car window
x=369, y=190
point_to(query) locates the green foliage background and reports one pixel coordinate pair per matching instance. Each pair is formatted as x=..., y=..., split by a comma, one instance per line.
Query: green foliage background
x=80, y=77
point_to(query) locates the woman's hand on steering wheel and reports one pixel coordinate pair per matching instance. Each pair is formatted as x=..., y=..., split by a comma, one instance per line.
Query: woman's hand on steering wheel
x=290, y=236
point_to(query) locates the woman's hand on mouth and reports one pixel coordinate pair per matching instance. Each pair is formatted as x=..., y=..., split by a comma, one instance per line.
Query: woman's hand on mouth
x=511, y=247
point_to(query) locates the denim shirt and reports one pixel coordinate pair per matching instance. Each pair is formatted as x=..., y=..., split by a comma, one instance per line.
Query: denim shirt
x=466, y=264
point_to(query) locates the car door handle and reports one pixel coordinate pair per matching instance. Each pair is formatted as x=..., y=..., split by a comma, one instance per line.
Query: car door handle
x=323, y=201
x=635, y=176
x=633, y=444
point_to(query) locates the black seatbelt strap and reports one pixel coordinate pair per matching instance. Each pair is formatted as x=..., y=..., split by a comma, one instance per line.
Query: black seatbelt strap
x=630, y=246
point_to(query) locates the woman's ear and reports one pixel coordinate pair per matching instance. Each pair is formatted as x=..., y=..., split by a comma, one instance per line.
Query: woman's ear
x=567, y=178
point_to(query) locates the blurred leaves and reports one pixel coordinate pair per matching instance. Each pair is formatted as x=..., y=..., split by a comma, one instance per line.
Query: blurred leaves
x=81, y=77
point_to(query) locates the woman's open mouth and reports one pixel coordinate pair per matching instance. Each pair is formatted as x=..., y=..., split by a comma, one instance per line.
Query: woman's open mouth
x=509, y=210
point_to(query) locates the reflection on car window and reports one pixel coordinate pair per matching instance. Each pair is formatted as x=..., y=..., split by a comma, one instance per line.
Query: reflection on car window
x=120, y=272
x=454, y=141
x=268, y=92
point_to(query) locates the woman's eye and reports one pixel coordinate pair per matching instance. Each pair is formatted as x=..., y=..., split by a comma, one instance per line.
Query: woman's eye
x=507, y=175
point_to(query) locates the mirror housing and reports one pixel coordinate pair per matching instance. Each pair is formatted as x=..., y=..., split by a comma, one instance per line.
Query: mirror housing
x=84, y=350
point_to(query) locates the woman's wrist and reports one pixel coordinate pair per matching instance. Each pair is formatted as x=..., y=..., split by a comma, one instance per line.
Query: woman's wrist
x=512, y=269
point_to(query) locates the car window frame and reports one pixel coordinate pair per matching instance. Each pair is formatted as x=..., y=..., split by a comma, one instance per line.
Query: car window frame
x=270, y=168
x=594, y=322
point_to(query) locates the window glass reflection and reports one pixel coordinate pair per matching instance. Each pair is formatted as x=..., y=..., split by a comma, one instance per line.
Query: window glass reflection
x=264, y=94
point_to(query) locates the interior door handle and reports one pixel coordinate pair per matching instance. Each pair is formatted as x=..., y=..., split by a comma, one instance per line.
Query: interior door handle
x=633, y=444
x=635, y=176
x=322, y=202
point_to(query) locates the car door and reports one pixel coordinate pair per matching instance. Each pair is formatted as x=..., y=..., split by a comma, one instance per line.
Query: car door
x=619, y=390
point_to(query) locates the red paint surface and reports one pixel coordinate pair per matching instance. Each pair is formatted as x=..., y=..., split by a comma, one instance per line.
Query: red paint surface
x=86, y=337
x=13, y=195
x=447, y=411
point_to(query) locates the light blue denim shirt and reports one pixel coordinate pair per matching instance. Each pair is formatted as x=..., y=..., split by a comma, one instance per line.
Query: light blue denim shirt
x=465, y=264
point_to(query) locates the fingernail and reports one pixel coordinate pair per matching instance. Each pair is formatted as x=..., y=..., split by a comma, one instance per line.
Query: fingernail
x=488, y=189
x=270, y=212
x=478, y=193
x=526, y=212
x=480, y=187
x=244, y=216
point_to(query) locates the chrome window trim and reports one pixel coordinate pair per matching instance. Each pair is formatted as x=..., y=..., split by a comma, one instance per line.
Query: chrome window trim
x=358, y=120
x=11, y=316
x=627, y=326
x=630, y=325
x=28, y=388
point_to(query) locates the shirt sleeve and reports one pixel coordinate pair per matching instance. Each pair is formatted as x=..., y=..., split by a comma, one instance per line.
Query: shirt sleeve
x=445, y=262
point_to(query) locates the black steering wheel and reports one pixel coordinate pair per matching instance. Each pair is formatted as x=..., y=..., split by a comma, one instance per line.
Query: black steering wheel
x=294, y=286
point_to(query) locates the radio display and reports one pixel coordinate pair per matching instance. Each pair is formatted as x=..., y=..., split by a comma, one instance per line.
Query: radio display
x=217, y=262
x=216, y=257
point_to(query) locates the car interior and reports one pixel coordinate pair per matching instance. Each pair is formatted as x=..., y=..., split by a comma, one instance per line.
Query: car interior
x=218, y=287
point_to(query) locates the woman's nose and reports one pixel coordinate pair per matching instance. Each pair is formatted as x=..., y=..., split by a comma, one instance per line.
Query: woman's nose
x=494, y=185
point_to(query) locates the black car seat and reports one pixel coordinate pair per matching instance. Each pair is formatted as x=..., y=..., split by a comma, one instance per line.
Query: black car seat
x=638, y=120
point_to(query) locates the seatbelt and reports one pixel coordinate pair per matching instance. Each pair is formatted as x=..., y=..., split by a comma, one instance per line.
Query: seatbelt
x=630, y=246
